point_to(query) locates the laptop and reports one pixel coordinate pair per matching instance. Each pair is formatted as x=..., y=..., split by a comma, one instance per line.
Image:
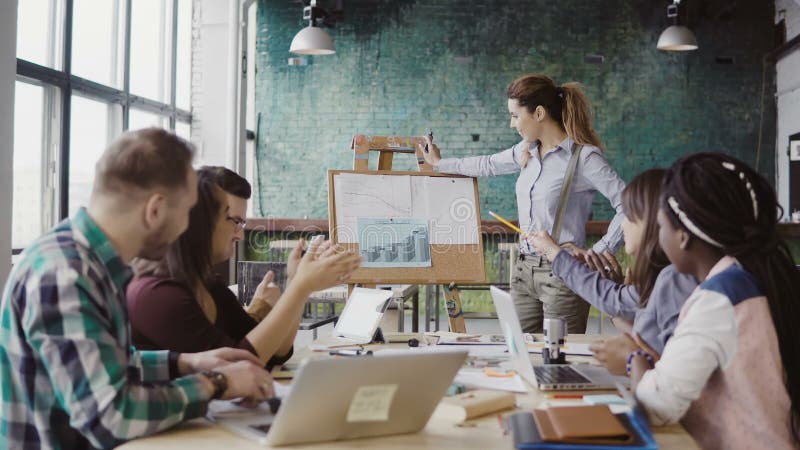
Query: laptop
x=550, y=377
x=345, y=398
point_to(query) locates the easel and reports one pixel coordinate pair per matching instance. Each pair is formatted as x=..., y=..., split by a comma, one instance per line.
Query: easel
x=387, y=147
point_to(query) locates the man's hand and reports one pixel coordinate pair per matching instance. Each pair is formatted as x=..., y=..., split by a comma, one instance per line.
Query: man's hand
x=267, y=291
x=247, y=380
x=189, y=363
x=613, y=353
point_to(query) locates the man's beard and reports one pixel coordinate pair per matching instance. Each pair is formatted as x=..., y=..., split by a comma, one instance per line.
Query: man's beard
x=156, y=246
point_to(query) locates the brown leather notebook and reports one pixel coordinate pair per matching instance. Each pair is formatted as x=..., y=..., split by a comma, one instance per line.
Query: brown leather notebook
x=592, y=424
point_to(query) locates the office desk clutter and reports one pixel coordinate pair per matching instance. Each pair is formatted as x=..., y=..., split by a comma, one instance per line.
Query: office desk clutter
x=446, y=419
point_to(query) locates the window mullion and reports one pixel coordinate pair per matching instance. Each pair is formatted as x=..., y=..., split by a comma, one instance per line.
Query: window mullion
x=126, y=66
x=66, y=95
x=173, y=73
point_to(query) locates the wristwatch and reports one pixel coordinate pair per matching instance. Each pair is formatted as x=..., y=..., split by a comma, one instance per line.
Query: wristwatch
x=219, y=380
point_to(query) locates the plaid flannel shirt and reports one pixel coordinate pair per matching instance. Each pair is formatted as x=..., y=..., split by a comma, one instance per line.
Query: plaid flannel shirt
x=70, y=377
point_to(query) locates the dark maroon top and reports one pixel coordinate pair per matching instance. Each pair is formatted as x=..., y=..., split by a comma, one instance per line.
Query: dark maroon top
x=164, y=315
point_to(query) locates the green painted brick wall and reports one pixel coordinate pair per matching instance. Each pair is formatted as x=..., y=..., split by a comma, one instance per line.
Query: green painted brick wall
x=404, y=66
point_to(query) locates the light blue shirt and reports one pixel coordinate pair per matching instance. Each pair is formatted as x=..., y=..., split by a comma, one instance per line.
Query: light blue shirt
x=655, y=322
x=539, y=186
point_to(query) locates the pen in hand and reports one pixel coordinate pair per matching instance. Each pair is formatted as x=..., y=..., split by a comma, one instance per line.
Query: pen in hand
x=430, y=137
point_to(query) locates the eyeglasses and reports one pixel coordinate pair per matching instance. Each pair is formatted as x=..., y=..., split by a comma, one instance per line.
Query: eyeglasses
x=238, y=222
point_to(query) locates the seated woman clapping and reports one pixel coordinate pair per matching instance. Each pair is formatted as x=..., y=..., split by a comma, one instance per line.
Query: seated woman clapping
x=177, y=304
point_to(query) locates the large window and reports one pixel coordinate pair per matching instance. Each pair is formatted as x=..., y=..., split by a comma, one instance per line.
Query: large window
x=86, y=71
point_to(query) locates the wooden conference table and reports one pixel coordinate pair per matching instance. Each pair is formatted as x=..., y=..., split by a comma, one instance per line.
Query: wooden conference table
x=440, y=433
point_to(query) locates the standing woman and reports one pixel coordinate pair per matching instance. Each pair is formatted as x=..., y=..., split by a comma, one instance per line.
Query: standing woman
x=554, y=191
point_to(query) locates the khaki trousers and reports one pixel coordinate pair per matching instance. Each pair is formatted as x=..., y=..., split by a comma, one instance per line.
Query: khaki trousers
x=538, y=294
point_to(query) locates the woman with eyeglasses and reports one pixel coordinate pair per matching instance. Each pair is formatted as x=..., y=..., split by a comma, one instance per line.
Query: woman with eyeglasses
x=177, y=304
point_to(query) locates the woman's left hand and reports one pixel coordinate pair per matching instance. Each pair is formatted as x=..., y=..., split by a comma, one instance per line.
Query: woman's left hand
x=543, y=243
x=613, y=353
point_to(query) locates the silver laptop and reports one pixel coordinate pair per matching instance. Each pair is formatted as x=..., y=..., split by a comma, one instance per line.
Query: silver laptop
x=550, y=377
x=345, y=398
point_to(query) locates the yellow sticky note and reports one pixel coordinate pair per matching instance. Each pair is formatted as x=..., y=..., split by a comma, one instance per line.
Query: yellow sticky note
x=371, y=403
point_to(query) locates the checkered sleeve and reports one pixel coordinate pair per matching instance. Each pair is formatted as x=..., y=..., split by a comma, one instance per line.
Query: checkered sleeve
x=94, y=377
x=152, y=365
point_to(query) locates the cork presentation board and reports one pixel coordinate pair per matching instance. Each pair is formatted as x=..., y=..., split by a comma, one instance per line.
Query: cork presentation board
x=454, y=257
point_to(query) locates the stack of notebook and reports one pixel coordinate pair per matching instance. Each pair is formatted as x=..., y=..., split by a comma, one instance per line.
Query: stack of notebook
x=579, y=427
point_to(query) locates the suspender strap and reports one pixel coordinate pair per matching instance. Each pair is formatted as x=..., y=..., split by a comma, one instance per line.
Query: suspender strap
x=566, y=187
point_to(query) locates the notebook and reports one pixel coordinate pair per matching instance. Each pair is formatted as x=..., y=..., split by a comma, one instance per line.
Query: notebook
x=583, y=427
x=551, y=376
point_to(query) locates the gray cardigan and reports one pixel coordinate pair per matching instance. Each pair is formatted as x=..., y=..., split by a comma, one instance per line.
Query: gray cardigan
x=655, y=322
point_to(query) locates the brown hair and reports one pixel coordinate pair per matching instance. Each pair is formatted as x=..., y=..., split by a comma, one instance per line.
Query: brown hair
x=566, y=104
x=189, y=257
x=143, y=159
x=230, y=181
x=641, y=201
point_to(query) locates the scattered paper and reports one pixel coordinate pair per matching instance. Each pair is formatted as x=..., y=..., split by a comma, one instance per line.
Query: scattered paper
x=479, y=379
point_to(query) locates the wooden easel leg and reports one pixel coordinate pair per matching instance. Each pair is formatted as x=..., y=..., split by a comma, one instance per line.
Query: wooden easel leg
x=385, y=160
x=455, y=316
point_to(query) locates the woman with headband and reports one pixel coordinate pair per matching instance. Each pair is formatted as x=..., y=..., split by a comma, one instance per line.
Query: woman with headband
x=730, y=371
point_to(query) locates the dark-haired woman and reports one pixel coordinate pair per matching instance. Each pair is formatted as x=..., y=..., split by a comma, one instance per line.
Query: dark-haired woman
x=176, y=303
x=731, y=371
x=555, y=124
x=654, y=292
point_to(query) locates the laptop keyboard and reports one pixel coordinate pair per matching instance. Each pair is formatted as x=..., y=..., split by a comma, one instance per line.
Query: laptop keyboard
x=558, y=375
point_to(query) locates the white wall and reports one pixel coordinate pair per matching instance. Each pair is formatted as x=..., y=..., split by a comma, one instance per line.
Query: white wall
x=212, y=106
x=787, y=96
x=8, y=70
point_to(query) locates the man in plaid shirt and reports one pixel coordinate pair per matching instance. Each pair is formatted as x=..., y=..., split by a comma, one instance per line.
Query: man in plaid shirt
x=70, y=378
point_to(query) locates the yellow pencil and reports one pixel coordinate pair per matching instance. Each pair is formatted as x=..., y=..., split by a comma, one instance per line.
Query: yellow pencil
x=514, y=227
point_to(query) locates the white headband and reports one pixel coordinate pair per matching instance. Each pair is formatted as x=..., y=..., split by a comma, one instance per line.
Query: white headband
x=747, y=184
x=694, y=229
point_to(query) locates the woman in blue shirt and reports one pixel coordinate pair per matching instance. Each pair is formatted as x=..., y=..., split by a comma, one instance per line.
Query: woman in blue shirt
x=654, y=291
x=552, y=122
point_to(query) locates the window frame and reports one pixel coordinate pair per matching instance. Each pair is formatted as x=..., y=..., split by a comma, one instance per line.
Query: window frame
x=65, y=83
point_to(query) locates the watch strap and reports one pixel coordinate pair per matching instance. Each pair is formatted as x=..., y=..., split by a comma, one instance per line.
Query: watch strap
x=219, y=380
